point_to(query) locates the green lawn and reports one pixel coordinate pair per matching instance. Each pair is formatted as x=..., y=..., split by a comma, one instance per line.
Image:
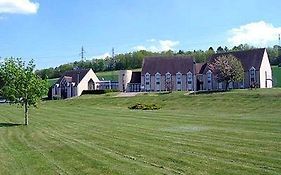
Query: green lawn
x=110, y=75
x=238, y=132
x=52, y=81
x=276, y=71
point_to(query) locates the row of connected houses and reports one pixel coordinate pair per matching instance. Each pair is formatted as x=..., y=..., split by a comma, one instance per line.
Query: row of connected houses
x=177, y=73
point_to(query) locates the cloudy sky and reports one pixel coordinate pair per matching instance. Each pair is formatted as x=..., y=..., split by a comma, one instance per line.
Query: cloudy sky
x=53, y=31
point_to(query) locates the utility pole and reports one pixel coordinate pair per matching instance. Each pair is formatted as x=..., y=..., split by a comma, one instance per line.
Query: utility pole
x=82, y=53
x=113, y=66
x=113, y=53
x=279, y=39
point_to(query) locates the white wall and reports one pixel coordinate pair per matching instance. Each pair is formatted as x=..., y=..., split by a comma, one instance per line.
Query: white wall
x=83, y=85
x=124, y=78
x=265, y=67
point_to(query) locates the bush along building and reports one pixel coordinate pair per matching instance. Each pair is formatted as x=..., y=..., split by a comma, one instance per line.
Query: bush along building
x=181, y=73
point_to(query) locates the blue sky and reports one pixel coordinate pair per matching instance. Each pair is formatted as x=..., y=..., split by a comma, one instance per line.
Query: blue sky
x=53, y=31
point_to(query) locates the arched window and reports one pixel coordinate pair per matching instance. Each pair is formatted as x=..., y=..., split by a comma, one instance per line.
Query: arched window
x=179, y=81
x=91, y=84
x=252, y=75
x=147, y=81
x=157, y=81
x=189, y=81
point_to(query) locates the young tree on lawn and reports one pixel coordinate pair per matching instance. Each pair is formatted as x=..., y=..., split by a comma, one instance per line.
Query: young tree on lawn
x=227, y=68
x=21, y=85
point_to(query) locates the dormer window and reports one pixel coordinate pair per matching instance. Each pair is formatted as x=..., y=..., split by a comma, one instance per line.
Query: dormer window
x=179, y=81
x=157, y=78
x=157, y=81
x=147, y=81
x=168, y=76
x=189, y=80
x=209, y=79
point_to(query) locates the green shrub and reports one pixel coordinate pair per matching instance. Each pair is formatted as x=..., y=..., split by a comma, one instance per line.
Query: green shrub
x=93, y=92
x=98, y=91
x=140, y=106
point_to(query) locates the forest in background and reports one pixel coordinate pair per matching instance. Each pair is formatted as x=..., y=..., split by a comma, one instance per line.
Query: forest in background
x=133, y=60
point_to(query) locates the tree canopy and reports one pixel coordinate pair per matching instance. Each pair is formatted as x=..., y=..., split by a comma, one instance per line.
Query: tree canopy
x=21, y=85
x=133, y=60
x=227, y=68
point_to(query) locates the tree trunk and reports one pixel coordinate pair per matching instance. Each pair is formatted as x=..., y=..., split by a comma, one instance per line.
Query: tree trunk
x=226, y=85
x=25, y=113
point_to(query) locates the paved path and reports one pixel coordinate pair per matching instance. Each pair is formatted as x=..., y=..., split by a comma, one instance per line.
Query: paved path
x=128, y=94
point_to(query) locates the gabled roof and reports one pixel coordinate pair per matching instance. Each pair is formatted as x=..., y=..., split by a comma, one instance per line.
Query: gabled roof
x=74, y=75
x=248, y=58
x=172, y=64
x=200, y=67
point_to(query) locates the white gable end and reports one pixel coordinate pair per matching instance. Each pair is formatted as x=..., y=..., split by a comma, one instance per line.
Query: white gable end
x=83, y=84
x=265, y=72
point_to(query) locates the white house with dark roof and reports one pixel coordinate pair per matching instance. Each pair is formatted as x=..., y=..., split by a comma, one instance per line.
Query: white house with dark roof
x=72, y=83
x=181, y=73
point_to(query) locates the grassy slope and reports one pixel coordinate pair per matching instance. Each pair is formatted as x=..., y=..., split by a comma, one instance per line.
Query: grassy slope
x=232, y=133
x=110, y=75
x=276, y=71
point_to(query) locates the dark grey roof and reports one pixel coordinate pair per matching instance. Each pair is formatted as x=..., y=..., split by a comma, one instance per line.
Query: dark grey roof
x=248, y=58
x=172, y=64
x=136, y=77
x=74, y=75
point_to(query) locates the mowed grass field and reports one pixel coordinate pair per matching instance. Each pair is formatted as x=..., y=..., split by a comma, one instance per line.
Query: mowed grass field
x=238, y=132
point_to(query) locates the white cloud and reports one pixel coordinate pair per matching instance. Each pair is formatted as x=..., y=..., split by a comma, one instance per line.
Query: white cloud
x=257, y=34
x=158, y=45
x=18, y=6
x=103, y=56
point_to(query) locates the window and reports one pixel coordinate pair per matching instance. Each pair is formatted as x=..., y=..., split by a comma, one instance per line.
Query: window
x=209, y=79
x=252, y=75
x=179, y=81
x=209, y=76
x=147, y=81
x=189, y=81
x=168, y=76
x=157, y=81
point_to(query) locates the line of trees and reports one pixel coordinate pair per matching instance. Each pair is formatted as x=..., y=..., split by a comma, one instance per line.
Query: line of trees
x=134, y=60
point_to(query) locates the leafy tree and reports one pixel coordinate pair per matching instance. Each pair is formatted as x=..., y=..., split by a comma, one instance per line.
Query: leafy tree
x=21, y=85
x=211, y=49
x=226, y=49
x=180, y=52
x=227, y=68
x=220, y=50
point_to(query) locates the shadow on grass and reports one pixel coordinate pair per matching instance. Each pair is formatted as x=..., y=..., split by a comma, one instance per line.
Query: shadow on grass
x=2, y=125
